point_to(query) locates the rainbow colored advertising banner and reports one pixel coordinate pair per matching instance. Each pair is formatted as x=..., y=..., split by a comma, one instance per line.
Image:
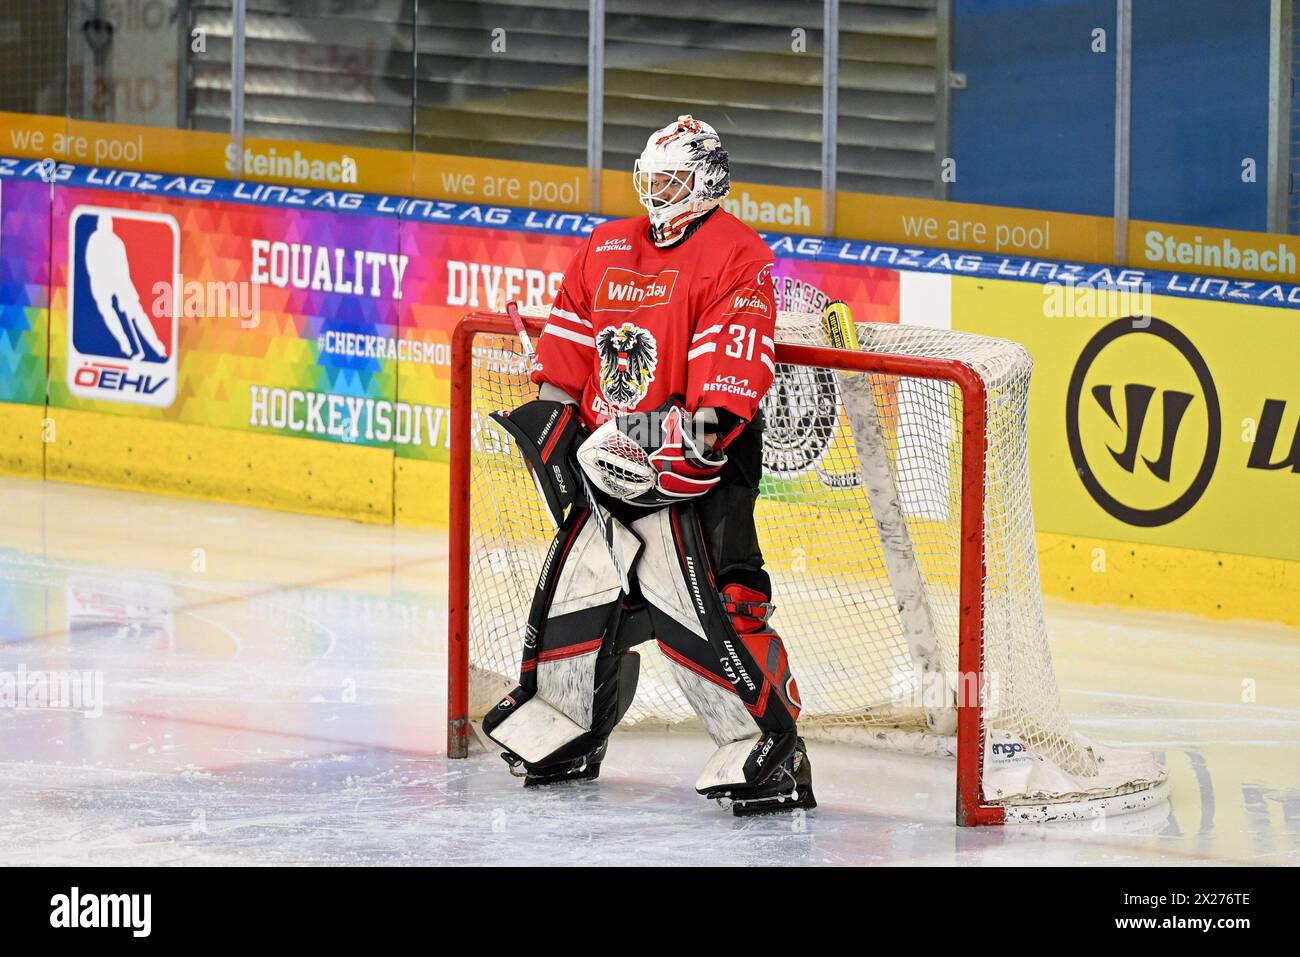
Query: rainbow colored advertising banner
x=24, y=290
x=269, y=310
x=290, y=347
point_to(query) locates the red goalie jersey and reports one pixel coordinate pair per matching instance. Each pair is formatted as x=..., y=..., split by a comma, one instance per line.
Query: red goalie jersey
x=634, y=324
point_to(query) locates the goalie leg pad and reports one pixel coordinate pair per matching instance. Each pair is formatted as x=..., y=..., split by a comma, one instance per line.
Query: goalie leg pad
x=743, y=764
x=576, y=678
x=547, y=742
x=749, y=610
x=577, y=604
x=531, y=729
x=734, y=691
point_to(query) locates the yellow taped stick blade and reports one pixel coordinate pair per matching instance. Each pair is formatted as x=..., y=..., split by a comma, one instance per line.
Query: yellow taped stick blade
x=837, y=323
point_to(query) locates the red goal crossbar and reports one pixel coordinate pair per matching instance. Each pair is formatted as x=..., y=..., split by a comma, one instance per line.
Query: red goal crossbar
x=970, y=808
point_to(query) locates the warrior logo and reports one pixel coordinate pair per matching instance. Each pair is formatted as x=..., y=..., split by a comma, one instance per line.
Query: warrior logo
x=802, y=406
x=628, y=356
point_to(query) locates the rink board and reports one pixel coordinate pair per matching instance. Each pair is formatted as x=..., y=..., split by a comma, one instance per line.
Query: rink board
x=368, y=351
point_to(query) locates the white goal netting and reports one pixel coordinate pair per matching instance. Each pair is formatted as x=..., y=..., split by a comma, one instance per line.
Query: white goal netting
x=861, y=527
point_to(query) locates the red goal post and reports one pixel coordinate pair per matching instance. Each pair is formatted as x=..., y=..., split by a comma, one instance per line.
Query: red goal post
x=925, y=543
x=970, y=810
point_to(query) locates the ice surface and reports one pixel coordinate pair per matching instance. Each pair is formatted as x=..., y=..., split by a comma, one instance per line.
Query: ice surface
x=273, y=692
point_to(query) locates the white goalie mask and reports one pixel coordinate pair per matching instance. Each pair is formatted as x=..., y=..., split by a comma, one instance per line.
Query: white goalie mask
x=682, y=173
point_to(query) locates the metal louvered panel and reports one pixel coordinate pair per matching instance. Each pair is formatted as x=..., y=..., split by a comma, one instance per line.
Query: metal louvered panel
x=334, y=72
x=344, y=71
x=889, y=96
x=1292, y=181
x=33, y=58
x=737, y=66
x=528, y=102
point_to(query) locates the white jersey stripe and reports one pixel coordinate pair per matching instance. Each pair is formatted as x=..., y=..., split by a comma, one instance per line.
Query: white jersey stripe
x=712, y=330
x=561, y=333
x=557, y=313
x=701, y=350
x=767, y=361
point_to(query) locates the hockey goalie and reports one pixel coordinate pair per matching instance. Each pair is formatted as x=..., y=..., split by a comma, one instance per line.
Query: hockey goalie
x=645, y=442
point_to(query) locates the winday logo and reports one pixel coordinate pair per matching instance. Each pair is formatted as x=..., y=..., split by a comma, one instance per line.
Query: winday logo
x=1143, y=421
x=624, y=290
x=748, y=301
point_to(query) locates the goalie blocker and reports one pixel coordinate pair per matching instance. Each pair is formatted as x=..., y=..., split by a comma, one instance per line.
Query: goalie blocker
x=697, y=587
x=546, y=433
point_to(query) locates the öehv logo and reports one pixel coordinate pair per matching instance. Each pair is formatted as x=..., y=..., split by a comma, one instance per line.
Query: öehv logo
x=1143, y=421
x=123, y=295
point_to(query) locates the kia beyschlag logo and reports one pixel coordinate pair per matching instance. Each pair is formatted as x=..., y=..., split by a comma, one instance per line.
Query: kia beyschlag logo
x=1145, y=447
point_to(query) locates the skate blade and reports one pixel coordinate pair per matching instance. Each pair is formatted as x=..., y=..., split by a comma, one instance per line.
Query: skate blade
x=589, y=773
x=801, y=799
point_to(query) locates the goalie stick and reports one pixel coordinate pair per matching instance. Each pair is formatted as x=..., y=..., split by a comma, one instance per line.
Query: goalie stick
x=604, y=522
x=887, y=511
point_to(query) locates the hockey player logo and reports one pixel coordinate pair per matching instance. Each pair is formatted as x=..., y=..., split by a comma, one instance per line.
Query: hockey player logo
x=628, y=356
x=123, y=286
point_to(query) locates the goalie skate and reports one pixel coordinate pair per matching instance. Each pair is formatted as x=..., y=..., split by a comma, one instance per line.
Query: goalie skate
x=585, y=768
x=788, y=788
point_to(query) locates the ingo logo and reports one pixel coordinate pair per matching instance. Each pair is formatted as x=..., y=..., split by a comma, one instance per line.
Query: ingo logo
x=1143, y=421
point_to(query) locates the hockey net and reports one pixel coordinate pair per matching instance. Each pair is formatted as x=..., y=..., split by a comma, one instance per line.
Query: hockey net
x=896, y=525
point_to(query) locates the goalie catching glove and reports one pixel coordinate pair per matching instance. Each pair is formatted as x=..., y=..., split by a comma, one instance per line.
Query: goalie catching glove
x=650, y=458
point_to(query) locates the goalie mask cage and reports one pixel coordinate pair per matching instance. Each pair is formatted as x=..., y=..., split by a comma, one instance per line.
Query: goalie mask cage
x=896, y=525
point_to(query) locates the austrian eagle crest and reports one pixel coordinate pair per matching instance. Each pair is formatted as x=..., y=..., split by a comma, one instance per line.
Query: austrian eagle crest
x=628, y=356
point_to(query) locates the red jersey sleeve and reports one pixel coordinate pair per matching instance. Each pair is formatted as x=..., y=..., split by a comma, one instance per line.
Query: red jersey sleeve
x=731, y=358
x=567, y=345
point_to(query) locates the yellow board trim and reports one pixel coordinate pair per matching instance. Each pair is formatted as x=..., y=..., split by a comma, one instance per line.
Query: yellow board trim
x=421, y=492
x=1219, y=585
x=222, y=465
x=21, y=450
